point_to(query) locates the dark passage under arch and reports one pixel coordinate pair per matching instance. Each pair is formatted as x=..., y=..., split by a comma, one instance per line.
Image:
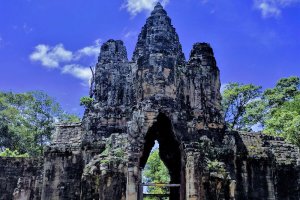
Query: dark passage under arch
x=169, y=151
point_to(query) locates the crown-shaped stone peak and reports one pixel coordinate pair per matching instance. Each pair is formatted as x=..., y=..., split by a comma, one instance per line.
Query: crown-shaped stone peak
x=158, y=6
x=158, y=9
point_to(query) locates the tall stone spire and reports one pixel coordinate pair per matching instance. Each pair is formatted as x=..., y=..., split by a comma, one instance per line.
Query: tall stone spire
x=204, y=87
x=158, y=54
x=158, y=8
x=111, y=72
x=158, y=36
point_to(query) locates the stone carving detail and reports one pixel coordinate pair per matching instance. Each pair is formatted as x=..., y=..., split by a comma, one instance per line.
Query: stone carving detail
x=159, y=96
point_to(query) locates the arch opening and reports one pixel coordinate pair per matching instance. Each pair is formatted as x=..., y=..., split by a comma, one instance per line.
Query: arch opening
x=169, y=151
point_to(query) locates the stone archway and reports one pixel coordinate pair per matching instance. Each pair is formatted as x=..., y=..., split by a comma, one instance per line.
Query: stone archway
x=169, y=152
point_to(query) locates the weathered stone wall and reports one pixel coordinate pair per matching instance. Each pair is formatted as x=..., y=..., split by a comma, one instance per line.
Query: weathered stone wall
x=104, y=177
x=20, y=178
x=249, y=166
x=268, y=168
x=63, y=164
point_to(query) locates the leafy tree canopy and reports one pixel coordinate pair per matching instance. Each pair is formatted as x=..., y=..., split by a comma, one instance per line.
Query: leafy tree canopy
x=276, y=110
x=156, y=172
x=236, y=98
x=27, y=121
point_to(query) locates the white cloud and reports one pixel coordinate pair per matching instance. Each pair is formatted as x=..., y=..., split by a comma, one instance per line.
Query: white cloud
x=66, y=61
x=92, y=50
x=273, y=8
x=51, y=56
x=78, y=71
x=136, y=6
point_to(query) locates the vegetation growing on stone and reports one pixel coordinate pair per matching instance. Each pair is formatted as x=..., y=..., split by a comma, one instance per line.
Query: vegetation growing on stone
x=119, y=153
x=8, y=153
x=104, y=161
x=86, y=101
x=216, y=166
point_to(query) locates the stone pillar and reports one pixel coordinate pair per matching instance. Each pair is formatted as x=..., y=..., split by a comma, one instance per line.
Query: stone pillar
x=192, y=176
x=23, y=190
x=132, y=183
x=232, y=189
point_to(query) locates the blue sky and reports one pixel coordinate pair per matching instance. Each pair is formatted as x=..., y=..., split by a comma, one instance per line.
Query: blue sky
x=49, y=44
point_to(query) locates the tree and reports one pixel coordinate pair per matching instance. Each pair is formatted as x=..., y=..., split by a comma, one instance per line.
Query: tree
x=156, y=172
x=27, y=121
x=282, y=116
x=276, y=110
x=237, y=98
x=285, y=123
x=42, y=114
x=13, y=125
x=285, y=90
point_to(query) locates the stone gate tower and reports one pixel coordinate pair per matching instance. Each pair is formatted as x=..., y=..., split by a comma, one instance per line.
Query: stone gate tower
x=156, y=96
x=159, y=96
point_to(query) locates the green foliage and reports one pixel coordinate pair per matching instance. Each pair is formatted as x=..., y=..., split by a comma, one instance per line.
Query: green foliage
x=282, y=110
x=236, y=98
x=42, y=114
x=284, y=121
x=285, y=90
x=86, y=101
x=70, y=118
x=27, y=121
x=156, y=172
x=105, y=152
x=104, y=161
x=216, y=166
x=14, y=123
x=119, y=153
x=276, y=110
x=8, y=153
